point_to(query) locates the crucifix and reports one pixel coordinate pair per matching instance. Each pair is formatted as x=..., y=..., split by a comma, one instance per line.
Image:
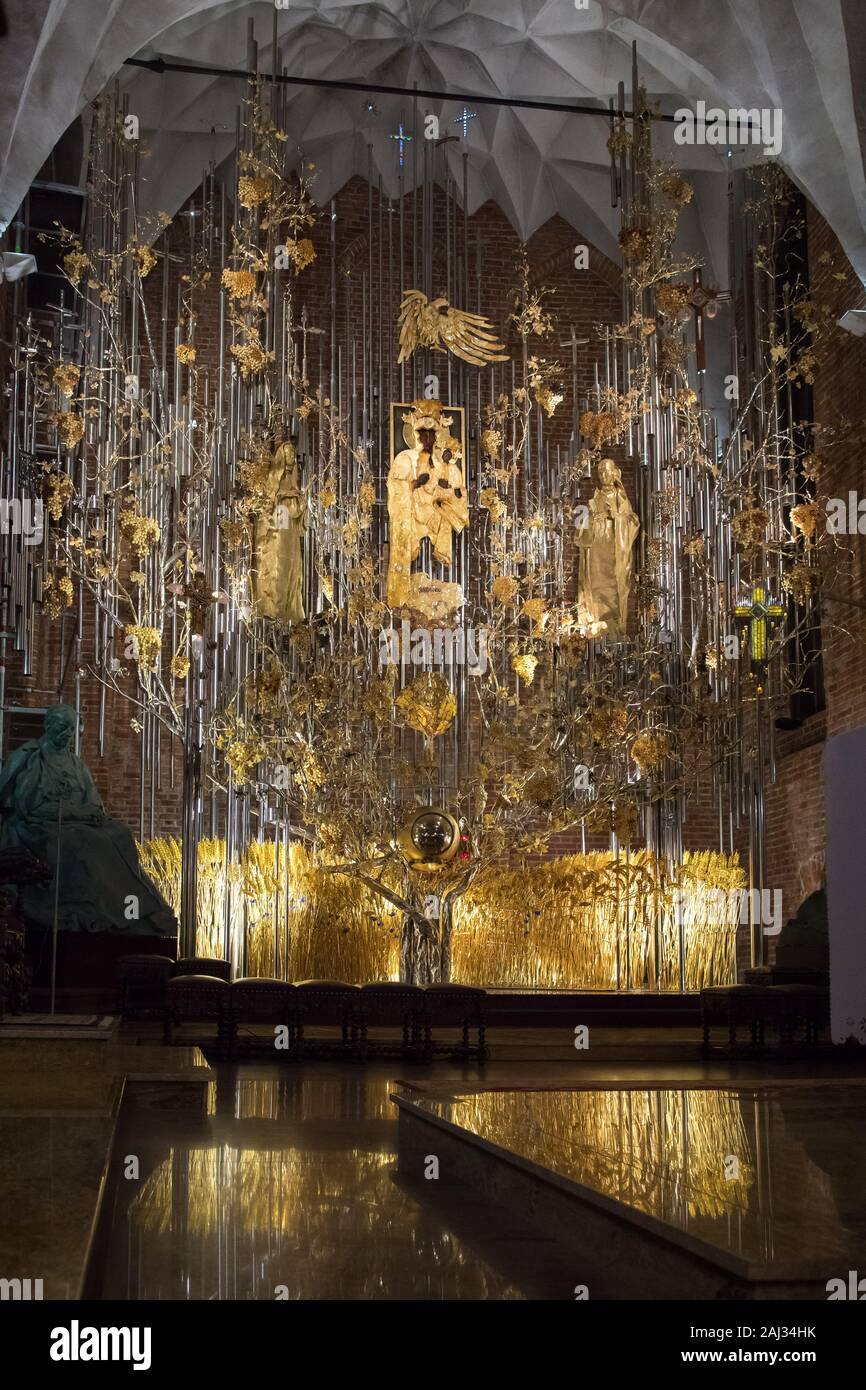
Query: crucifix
x=402, y=138
x=463, y=120
x=701, y=297
x=759, y=611
x=197, y=595
x=304, y=328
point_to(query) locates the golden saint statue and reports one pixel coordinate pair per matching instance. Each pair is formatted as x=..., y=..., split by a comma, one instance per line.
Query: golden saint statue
x=278, y=579
x=605, y=545
x=426, y=497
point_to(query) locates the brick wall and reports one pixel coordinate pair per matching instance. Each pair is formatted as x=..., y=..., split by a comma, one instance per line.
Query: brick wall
x=840, y=406
x=795, y=804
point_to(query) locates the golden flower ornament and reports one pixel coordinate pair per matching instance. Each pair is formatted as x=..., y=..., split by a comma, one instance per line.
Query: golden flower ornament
x=428, y=705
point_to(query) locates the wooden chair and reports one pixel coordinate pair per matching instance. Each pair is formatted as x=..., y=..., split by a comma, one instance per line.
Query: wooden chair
x=459, y=1006
x=264, y=1001
x=329, y=1003
x=203, y=965
x=396, y=1005
x=197, y=999
x=797, y=1006
x=736, y=1006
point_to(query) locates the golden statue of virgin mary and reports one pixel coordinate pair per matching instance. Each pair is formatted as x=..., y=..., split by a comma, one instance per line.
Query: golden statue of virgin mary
x=426, y=498
x=278, y=582
x=605, y=549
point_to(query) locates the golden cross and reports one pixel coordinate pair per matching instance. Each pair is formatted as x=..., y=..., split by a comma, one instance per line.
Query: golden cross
x=759, y=612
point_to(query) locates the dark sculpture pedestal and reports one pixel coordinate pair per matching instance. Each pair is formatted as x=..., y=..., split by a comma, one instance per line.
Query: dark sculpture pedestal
x=14, y=966
x=18, y=868
x=87, y=967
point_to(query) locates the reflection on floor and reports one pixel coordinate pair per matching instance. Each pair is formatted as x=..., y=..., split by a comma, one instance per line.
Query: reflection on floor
x=769, y=1178
x=291, y=1189
x=291, y=1192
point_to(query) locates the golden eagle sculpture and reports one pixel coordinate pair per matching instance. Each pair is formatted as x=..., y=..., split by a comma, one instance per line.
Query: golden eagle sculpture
x=432, y=323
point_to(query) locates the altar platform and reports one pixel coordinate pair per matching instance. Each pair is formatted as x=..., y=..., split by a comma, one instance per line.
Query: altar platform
x=750, y=1189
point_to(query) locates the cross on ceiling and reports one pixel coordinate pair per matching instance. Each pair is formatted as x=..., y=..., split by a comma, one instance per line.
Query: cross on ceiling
x=463, y=119
x=402, y=138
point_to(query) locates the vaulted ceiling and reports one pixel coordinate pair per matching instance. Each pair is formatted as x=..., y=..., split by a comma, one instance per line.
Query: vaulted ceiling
x=807, y=58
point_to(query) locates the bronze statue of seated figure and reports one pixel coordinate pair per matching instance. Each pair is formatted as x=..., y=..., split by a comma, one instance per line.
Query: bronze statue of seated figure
x=50, y=806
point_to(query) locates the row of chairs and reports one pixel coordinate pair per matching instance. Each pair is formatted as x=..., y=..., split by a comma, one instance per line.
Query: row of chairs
x=786, y=1008
x=202, y=991
x=142, y=980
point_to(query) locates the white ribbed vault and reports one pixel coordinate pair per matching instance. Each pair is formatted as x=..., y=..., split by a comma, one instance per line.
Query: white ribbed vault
x=804, y=57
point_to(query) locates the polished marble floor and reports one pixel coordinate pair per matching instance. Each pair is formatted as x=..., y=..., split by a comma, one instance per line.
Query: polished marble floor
x=290, y=1189
x=768, y=1174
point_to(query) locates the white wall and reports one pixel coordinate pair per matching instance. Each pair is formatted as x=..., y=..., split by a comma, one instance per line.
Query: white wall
x=845, y=795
